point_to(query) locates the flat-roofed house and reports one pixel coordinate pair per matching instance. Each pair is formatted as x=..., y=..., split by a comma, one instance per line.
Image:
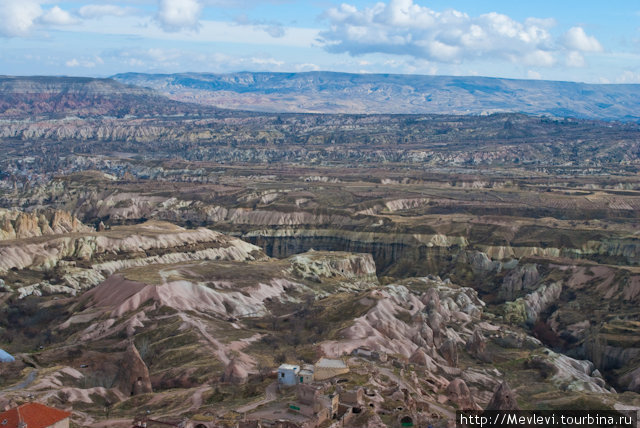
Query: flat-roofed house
x=287, y=374
x=327, y=368
x=305, y=376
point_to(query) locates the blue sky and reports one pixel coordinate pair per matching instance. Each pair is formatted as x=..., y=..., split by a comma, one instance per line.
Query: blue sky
x=588, y=41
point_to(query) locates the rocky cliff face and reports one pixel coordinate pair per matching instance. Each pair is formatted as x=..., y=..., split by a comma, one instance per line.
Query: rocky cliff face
x=523, y=277
x=387, y=249
x=17, y=224
x=315, y=265
x=527, y=309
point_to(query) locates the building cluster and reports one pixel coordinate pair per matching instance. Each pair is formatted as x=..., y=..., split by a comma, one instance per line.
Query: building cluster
x=325, y=368
x=313, y=395
x=313, y=407
x=313, y=404
x=146, y=421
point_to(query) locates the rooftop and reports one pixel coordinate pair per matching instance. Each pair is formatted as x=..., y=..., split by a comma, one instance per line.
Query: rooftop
x=329, y=363
x=288, y=367
x=35, y=415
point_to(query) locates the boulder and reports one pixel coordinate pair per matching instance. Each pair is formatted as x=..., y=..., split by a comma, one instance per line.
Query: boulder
x=503, y=399
x=458, y=392
x=476, y=346
x=427, y=334
x=431, y=300
x=422, y=359
x=27, y=226
x=133, y=378
x=449, y=351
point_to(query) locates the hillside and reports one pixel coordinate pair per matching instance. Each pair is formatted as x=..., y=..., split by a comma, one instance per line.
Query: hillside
x=327, y=92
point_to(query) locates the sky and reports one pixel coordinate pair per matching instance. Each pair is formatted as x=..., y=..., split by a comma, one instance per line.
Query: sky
x=586, y=41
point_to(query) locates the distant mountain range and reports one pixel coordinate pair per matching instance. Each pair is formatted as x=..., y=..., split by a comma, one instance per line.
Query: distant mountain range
x=54, y=96
x=328, y=92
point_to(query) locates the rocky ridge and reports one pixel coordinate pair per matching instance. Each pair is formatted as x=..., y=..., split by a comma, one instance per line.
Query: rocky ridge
x=18, y=224
x=96, y=255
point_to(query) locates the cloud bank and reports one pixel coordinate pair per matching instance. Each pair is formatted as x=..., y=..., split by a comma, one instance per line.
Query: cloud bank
x=17, y=17
x=176, y=15
x=402, y=27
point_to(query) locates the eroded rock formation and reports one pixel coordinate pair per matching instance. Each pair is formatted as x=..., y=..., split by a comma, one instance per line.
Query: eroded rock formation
x=503, y=399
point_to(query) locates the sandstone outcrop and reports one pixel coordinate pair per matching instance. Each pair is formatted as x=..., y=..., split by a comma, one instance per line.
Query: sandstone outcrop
x=503, y=399
x=449, y=351
x=315, y=265
x=527, y=309
x=422, y=359
x=133, y=378
x=458, y=392
x=631, y=380
x=476, y=345
x=18, y=225
x=523, y=277
x=171, y=243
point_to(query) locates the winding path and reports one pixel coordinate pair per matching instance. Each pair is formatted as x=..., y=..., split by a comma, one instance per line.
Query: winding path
x=25, y=383
x=270, y=395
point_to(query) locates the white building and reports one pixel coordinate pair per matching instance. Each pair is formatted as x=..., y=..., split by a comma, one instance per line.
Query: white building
x=288, y=374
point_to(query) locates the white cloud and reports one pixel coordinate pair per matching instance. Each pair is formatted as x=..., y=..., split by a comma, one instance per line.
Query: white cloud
x=576, y=39
x=266, y=61
x=405, y=28
x=208, y=32
x=273, y=28
x=180, y=60
x=629, y=77
x=17, y=17
x=538, y=58
x=307, y=66
x=531, y=74
x=57, y=16
x=575, y=59
x=86, y=63
x=546, y=23
x=99, y=10
x=176, y=15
